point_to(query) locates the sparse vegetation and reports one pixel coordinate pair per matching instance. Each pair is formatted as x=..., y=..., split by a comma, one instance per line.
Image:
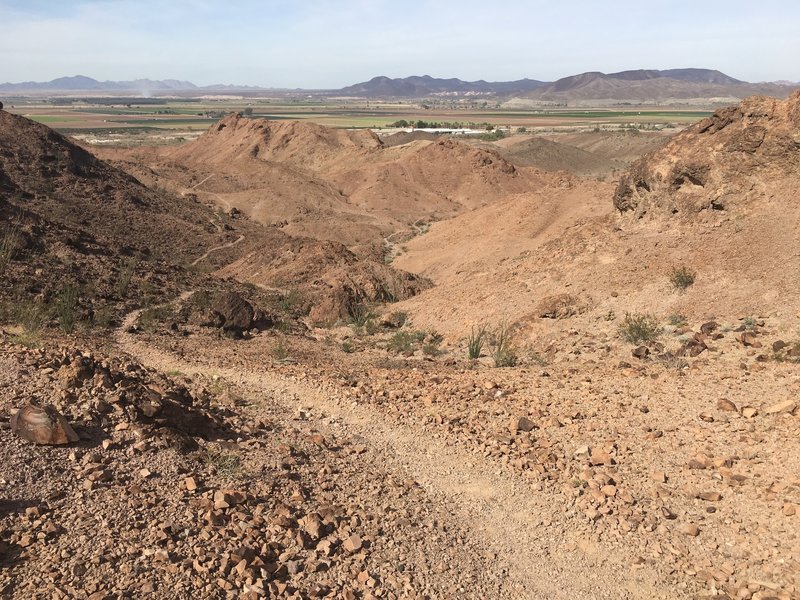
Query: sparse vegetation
x=475, y=342
x=8, y=246
x=678, y=320
x=360, y=314
x=682, y=277
x=125, y=276
x=66, y=307
x=224, y=463
x=151, y=318
x=404, y=342
x=750, y=323
x=640, y=328
x=280, y=351
x=504, y=352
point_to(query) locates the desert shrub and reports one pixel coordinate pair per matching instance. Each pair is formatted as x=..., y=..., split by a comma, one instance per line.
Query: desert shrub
x=125, y=276
x=750, y=322
x=640, y=328
x=280, y=351
x=360, y=314
x=682, y=277
x=475, y=342
x=433, y=343
x=405, y=341
x=290, y=301
x=504, y=351
x=398, y=318
x=678, y=320
x=347, y=347
x=66, y=307
x=151, y=318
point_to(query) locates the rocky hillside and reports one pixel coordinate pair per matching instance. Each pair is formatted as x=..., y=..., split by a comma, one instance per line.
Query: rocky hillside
x=729, y=162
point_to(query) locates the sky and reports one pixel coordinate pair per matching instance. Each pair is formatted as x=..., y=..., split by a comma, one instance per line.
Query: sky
x=333, y=43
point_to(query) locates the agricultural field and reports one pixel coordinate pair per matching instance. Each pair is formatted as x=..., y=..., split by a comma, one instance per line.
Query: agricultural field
x=133, y=121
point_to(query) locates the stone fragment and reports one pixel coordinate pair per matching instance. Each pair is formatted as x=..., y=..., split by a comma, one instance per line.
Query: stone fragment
x=521, y=424
x=748, y=412
x=42, y=425
x=788, y=406
x=659, y=477
x=600, y=457
x=726, y=405
x=789, y=510
x=353, y=543
x=690, y=529
x=710, y=496
x=190, y=483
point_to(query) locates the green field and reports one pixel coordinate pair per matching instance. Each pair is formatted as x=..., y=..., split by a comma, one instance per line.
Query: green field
x=161, y=116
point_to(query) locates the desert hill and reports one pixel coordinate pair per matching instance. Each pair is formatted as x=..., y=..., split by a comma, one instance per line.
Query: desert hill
x=719, y=203
x=672, y=86
x=425, y=85
x=727, y=162
x=328, y=183
x=68, y=213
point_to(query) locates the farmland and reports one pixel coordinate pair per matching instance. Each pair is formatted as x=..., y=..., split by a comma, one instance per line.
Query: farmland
x=132, y=121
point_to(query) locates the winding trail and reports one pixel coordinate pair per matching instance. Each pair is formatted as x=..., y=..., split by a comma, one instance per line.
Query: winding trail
x=217, y=249
x=522, y=528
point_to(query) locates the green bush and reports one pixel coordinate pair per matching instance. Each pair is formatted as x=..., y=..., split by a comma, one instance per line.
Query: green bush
x=640, y=328
x=475, y=342
x=405, y=341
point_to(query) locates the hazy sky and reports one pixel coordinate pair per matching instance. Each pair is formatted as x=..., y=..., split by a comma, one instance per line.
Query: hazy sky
x=332, y=43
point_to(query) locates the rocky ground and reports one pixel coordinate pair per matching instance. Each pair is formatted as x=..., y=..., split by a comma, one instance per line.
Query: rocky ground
x=670, y=467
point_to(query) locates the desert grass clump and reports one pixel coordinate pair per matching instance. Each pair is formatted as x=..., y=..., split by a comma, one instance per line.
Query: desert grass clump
x=640, y=328
x=125, y=276
x=224, y=463
x=8, y=247
x=280, y=351
x=505, y=353
x=360, y=314
x=682, y=277
x=66, y=308
x=475, y=342
x=677, y=320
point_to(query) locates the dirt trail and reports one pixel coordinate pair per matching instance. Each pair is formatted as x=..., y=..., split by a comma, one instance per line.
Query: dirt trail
x=507, y=517
x=216, y=249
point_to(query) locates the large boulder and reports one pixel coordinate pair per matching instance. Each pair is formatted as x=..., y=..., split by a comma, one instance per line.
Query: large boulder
x=236, y=313
x=42, y=424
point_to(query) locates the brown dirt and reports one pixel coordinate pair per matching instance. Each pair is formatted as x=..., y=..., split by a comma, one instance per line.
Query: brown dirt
x=375, y=460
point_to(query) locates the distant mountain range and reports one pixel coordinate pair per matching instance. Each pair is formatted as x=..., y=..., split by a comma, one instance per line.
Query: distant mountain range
x=81, y=83
x=643, y=86
x=419, y=87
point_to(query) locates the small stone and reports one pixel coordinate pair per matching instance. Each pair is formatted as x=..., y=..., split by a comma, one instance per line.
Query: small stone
x=690, y=529
x=789, y=510
x=521, y=424
x=353, y=543
x=726, y=405
x=785, y=406
x=190, y=483
x=600, y=457
x=659, y=477
x=710, y=496
x=748, y=412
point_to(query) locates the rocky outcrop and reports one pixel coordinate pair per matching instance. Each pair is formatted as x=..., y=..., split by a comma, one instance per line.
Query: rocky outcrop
x=722, y=163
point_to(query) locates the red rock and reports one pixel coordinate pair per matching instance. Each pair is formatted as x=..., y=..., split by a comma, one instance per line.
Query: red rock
x=42, y=425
